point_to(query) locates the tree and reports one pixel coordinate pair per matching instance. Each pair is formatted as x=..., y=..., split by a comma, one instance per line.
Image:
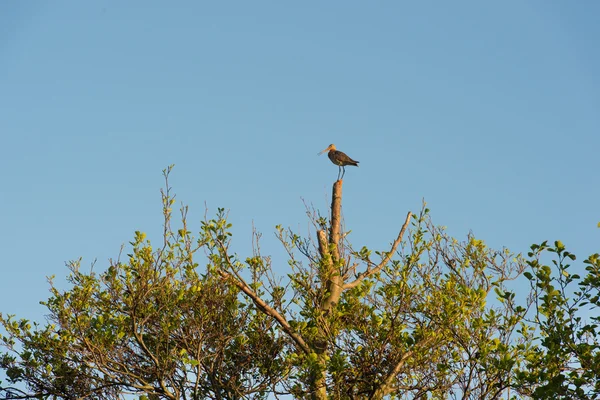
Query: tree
x=429, y=317
x=566, y=362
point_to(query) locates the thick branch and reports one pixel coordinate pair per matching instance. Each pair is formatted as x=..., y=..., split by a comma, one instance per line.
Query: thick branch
x=264, y=307
x=323, y=245
x=330, y=274
x=336, y=211
x=386, y=259
x=335, y=281
x=332, y=278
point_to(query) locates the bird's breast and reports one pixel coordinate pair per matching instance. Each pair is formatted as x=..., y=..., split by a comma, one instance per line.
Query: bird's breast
x=335, y=158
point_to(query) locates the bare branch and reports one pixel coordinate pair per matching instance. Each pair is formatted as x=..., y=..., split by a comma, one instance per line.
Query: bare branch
x=336, y=212
x=386, y=259
x=264, y=307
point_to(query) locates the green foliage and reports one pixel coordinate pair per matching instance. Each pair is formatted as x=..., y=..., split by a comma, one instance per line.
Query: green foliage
x=432, y=317
x=152, y=324
x=565, y=363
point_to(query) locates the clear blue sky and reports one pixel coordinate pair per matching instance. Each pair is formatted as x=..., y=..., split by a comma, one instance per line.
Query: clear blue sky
x=488, y=110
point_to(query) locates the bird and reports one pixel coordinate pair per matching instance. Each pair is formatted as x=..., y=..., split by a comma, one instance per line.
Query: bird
x=339, y=158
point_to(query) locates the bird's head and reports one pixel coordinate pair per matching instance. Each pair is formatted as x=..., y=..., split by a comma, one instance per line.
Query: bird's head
x=330, y=147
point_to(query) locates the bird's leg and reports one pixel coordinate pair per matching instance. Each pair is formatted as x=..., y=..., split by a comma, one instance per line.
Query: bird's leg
x=344, y=172
x=339, y=172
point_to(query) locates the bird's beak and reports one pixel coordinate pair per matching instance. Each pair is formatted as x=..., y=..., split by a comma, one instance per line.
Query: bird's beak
x=327, y=149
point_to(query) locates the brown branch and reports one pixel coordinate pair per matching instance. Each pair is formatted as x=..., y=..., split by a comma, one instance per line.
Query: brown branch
x=238, y=281
x=264, y=307
x=336, y=211
x=386, y=259
x=140, y=341
x=332, y=277
x=323, y=245
x=331, y=252
x=387, y=385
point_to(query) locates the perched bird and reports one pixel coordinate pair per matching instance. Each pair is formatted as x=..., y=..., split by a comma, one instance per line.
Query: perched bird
x=340, y=159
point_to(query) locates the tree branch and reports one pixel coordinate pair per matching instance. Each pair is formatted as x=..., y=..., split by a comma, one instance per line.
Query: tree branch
x=336, y=212
x=238, y=281
x=386, y=386
x=386, y=259
x=264, y=307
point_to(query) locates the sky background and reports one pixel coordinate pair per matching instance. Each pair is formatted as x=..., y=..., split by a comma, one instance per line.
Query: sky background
x=487, y=110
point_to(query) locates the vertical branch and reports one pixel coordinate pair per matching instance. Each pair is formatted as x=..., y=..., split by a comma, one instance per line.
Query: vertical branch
x=336, y=211
x=335, y=282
